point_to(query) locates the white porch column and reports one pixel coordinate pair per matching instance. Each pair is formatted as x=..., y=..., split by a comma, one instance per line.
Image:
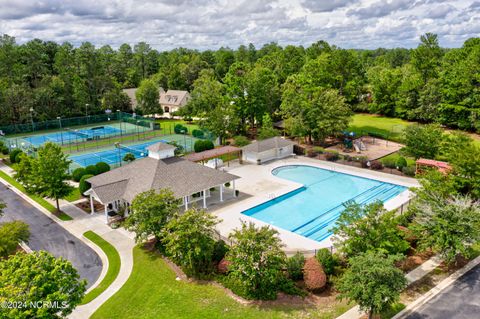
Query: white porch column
x=221, y=192
x=185, y=199
x=204, y=198
x=106, y=213
x=92, y=209
x=233, y=186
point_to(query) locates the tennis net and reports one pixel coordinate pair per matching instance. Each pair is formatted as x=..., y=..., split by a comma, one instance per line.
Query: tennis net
x=80, y=134
x=137, y=153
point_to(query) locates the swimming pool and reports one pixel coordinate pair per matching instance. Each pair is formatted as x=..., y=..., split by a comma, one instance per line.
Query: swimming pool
x=312, y=210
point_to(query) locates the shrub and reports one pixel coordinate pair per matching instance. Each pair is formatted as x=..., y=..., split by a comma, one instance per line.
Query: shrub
x=332, y=156
x=364, y=162
x=78, y=173
x=241, y=141
x=18, y=157
x=313, y=275
x=222, y=266
x=401, y=163
x=203, y=145
x=376, y=165
x=389, y=162
x=13, y=155
x=198, y=133
x=102, y=167
x=180, y=129
x=310, y=153
x=92, y=170
x=129, y=157
x=295, y=266
x=409, y=170
x=326, y=259
x=84, y=185
x=3, y=148
x=318, y=149
x=219, y=251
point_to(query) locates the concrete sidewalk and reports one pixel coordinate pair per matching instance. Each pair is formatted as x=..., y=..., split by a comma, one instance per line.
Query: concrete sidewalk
x=122, y=240
x=411, y=277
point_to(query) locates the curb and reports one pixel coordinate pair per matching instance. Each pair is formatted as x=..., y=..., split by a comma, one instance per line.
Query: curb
x=25, y=247
x=103, y=258
x=412, y=307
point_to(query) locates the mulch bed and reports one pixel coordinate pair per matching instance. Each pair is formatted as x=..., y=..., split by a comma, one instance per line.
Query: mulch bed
x=85, y=206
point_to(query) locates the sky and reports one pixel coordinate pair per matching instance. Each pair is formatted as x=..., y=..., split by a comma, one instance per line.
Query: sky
x=210, y=24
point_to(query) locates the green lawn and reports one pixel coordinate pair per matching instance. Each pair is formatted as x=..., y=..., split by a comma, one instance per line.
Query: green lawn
x=113, y=265
x=74, y=195
x=152, y=292
x=166, y=126
x=390, y=128
x=36, y=198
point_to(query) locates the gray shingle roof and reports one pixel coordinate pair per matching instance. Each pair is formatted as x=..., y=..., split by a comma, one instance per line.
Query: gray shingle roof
x=173, y=97
x=268, y=144
x=181, y=176
x=160, y=147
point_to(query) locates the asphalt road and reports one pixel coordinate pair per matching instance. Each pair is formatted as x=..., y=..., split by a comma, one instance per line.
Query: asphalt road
x=46, y=234
x=461, y=300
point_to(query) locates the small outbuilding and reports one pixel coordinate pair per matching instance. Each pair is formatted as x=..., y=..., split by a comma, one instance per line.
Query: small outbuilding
x=423, y=164
x=266, y=150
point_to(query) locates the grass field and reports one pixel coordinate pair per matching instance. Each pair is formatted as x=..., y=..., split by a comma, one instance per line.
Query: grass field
x=152, y=292
x=113, y=265
x=390, y=128
x=36, y=198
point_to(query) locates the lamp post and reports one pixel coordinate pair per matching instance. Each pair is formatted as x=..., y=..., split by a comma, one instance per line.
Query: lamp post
x=120, y=122
x=86, y=110
x=117, y=146
x=184, y=140
x=61, y=130
x=31, y=119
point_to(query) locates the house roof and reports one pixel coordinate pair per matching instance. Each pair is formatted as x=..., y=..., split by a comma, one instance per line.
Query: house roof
x=181, y=176
x=157, y=147
x=173, y=97
x=268, y=144
x=219, y=151
x=132, y=91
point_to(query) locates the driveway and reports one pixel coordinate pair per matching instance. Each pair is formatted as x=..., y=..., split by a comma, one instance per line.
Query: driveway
x=461, y=300
x=46, y=234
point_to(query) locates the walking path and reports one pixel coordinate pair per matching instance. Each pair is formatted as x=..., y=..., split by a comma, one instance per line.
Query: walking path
x=122, y=240
x=411, y=277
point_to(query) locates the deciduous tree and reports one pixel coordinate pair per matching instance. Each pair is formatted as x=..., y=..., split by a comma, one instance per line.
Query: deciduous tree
x=39, y=277
x=188, y=240
x=150, y=212
x=372, y=281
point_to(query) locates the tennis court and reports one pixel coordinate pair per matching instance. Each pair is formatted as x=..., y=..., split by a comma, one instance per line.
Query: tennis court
x=73, y=136
x=114, y=156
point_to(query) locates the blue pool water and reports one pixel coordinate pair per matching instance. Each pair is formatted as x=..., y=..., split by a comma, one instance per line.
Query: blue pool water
x=312, y=210
x=72, y=136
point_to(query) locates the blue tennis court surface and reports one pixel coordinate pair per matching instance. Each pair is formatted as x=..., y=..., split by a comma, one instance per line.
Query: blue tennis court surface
x=115, y=156
x=312, y=210
x=73, y=136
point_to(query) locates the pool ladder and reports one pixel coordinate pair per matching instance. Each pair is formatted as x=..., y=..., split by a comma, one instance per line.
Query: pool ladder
x=272, y=196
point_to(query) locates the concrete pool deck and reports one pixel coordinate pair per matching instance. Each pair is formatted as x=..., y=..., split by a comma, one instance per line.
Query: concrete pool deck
x=258, y=182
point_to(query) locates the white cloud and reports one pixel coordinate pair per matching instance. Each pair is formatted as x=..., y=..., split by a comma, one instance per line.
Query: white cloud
x=209, y=24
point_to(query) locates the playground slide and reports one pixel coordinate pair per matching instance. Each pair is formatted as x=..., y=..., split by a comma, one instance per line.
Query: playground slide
x=363, y=147
x=356, y=148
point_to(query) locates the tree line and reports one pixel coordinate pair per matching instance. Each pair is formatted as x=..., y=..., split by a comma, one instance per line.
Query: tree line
x=41, y=80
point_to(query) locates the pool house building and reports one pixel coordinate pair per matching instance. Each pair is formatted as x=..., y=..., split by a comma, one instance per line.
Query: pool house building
x=189, y=181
